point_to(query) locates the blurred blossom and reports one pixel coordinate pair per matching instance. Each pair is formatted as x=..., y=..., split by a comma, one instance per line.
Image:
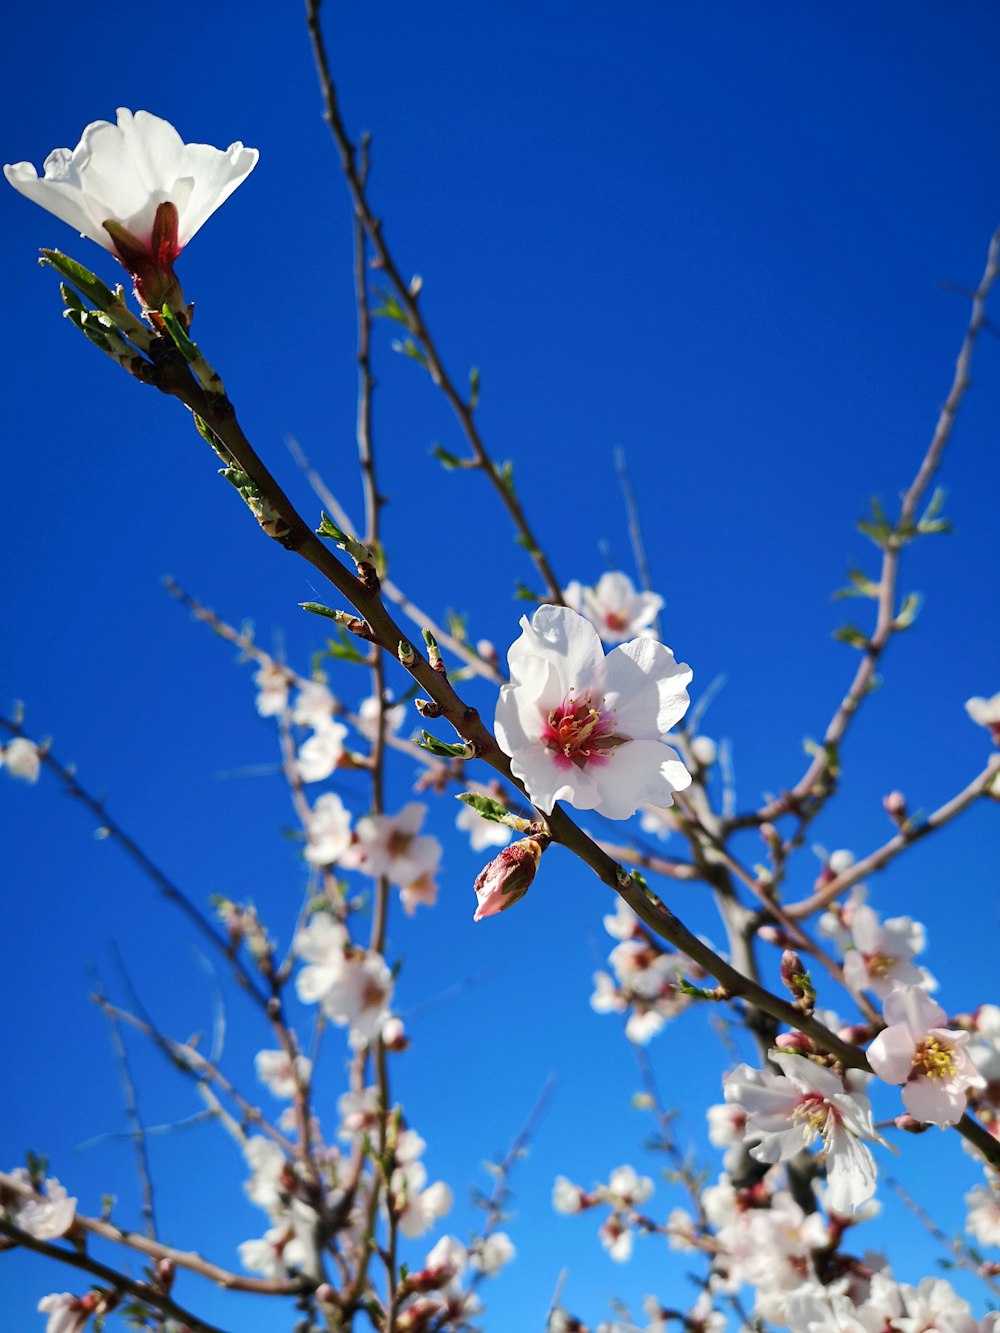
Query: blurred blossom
x=614, y=607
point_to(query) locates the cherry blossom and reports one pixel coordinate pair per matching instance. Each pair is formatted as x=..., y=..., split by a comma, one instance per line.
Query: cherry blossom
x=137, y=190
x=918, y=1050
x=417, y=1208
x=21, y=759
x=489, y=1256
x=614, y=607
x=589, y=729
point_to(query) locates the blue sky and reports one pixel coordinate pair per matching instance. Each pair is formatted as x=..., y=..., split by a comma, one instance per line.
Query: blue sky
x=724, y=238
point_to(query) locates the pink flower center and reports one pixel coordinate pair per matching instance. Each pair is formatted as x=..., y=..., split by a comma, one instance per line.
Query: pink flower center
x=579, y=733
x=615, y=621
x=934, y=1058
x=399, y=842
x=813, y=1114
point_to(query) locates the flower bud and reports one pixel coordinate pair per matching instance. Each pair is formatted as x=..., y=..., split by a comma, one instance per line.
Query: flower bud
x=508, y=877
x=796, y=1042
x=795, y=977
x=895, y=807
x=770, y=835
x=704, y=751
x=394, y=1036
x=910, y=1124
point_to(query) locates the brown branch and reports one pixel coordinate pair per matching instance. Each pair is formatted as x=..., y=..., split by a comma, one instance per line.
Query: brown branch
x=145, y=1292
x=906, y=837
x=186, y=1259
x=463, y=408
x=817, y=772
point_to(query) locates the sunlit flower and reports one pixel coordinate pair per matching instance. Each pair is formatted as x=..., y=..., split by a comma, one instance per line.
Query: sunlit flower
x=136, y=189
x=275, y=1254
x=787, y=1114
x=493, y=1253
x=21, y=759
x=47, y=1217
x=272, y=691
x=68, y=1313
x=918, y=1049
x=281, y=1074
x=985, y=713
x=392, y=845
x=417, y=1208
x=589, y=729
x=328, y=831
x=614, y=607
x=983, y=1219
x=882, y=953
x=322, y=752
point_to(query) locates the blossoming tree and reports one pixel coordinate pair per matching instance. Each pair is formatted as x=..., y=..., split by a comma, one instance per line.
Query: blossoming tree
x=588, y=754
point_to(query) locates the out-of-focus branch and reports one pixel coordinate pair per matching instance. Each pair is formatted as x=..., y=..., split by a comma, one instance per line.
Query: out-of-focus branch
x=885, y=625
x=166, y=886
x=464, y=408
x=906, y=837
x=186, y=1259
x=120, y=1283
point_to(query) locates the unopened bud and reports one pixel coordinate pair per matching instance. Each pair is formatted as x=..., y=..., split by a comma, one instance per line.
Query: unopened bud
x=325, y=1294
x=910, y=1124
x=394, y=1036
x=797, y=1042
x=428, y=708
x=508, y=877
x=840, y=861
x=165, y=1270
x=895, y=806
x=704, y=751
x=770, y=835
x=488, y=652
x=796, y=979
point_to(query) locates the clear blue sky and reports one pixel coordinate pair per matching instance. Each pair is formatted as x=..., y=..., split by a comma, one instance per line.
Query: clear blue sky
x=723, y=237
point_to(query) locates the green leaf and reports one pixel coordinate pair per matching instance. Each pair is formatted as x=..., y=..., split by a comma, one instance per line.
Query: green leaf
x=474, y=388
x=524, y=594
x=852, y=635
x=346, y=650
x=88, y=283
x=504, y=473
x=524, y=540
x=485, y=806
x=930, y=521
x=318, y=609
x=463, y=750
x=860, y=586
x=445, y=458
x=407, y=347
x=909, y=611
x=187, y=348
x=389, y=308
x=458, y=625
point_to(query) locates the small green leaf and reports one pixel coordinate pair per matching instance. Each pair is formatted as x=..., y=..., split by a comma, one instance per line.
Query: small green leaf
x=524, y=594
x=346, y=650
x=852, y=635
x=389, y=308
x=443, y=750
x=318, y=609
x=909, y=611
x=485, y=806
x=445, y=458
x=474, y=388
x=407, y=347
x=860, y=586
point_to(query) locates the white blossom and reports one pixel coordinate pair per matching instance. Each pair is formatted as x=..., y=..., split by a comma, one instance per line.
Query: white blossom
x=882, y=953
x=418, y=1208
x=322, y=752
x=614, y=607
x=328, y=830
x=21, y=759
x=281, y=1074
x=919, y=1051
x=48, y=1216
x=786, y=1114
x=983, y=1220
x=589, y=729
x=122, y=173
x=272, y=692
x=68, y=1313
x=985, y=712
x=493, y=1253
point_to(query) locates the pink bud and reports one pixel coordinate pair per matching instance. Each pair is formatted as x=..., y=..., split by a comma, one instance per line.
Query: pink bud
x=508, y=877
x=394, y=1036
x=910, y=1124
x=794, y=1041
x=795, y=977
x=895, y=806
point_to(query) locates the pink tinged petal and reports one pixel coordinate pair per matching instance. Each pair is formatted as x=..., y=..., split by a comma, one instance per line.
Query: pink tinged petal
x=891, y=1054
x=938, y=1102
x=851, y=1173
x=915, y=1008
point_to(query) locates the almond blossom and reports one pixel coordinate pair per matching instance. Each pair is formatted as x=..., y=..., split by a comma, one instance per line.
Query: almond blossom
x=322, y=752
x=48, y=1214
x=589, y=729
x=393, y=846
x=787, y=1114
x=489, y=1256
x=68, y=1313
x=137, y=189
x=985, y=713
x=328, y=831
x=417, y=1208
x=281, y=1074
x=21, y=759
x=983, y=1220
x=882, y=953
x=614, y=607
x=272, y=689
x=918, y=1050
